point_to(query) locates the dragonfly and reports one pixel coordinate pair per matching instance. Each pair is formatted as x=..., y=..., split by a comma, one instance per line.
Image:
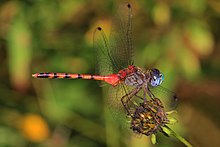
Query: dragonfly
x=115, y=67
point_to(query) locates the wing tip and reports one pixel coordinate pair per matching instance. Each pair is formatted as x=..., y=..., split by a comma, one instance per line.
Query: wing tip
x=129, y=5
x=99, y=28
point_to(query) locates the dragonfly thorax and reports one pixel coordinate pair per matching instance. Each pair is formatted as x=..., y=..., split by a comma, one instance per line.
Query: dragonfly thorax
x=135, y=79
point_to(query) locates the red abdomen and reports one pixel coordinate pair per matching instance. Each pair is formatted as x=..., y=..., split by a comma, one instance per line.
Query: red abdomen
x=110, y=79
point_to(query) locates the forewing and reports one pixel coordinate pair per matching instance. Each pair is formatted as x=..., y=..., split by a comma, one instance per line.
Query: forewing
x=121, y=37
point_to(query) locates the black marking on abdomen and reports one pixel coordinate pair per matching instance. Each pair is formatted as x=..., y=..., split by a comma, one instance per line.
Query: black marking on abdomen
x=92, y=77
x=67, y=75
x=55, y=76
x=43, y=75
x=79, y=76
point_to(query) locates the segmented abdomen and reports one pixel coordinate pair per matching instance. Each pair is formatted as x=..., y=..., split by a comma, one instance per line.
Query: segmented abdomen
x=66, y=76
x=111, y=79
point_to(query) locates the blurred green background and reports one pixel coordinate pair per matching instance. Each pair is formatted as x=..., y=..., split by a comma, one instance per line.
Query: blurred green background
x=182, y=38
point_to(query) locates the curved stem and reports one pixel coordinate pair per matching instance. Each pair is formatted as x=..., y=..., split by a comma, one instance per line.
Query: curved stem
x=180, y=138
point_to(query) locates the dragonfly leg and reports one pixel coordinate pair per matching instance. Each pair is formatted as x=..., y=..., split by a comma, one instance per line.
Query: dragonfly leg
x=145, y=93
x=149, y=93
x=127, y=98
x=139, y=96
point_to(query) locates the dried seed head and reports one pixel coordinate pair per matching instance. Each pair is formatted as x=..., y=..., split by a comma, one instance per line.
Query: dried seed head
x=148, y=117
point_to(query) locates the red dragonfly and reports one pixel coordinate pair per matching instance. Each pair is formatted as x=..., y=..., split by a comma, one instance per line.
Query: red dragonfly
x=115, y=66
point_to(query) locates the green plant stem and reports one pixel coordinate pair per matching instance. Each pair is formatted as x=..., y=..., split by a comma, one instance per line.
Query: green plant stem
x=180, y=138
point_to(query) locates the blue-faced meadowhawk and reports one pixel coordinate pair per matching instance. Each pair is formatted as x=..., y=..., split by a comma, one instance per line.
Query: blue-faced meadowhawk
x=115, y=66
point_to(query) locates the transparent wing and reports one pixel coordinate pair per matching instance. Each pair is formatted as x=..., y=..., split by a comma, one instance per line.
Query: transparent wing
x=168, y=98
x=114, y=102
x=117, y=53
x=121, y=37
x=103, y=59
x=115, y=105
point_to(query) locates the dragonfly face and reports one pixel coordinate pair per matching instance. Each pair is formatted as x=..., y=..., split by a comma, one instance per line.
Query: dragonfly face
x=156, y=77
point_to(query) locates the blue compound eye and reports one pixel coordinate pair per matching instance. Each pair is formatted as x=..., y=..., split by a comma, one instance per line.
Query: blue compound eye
x=157, y=78
x=155, y=81
x=161, y=78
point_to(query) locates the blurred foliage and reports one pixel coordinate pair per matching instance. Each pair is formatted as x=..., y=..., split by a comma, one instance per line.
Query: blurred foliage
x=179, y=37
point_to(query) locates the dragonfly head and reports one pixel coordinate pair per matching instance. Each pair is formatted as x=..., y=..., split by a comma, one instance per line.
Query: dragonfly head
x=156, y=77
